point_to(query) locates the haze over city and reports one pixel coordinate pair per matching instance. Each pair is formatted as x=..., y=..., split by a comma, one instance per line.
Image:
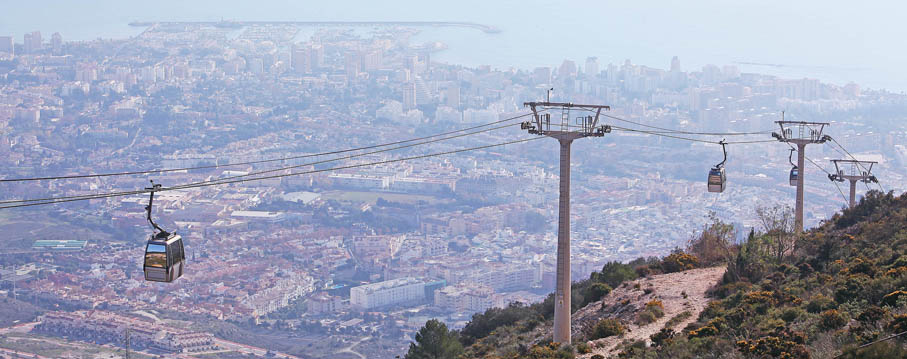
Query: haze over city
x=367, y=180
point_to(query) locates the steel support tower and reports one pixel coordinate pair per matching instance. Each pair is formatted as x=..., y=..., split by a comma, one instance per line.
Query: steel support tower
x=565, y=133
x=853, y=171
x=801, y=134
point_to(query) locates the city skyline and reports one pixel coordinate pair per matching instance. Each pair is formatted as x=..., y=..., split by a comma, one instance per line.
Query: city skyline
x=337, y=189
x=755, y=33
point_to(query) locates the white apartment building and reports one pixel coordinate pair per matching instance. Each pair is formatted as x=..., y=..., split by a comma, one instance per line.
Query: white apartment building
x=387, y=293
x=464, y=297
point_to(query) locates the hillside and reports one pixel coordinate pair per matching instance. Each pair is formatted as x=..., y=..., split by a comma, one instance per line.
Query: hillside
x=682, y=294
x=837, y=291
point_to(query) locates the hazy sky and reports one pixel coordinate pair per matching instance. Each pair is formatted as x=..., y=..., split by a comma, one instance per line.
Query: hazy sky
x=835, y=40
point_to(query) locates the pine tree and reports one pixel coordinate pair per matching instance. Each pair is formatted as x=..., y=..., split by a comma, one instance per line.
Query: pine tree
x=434, y=341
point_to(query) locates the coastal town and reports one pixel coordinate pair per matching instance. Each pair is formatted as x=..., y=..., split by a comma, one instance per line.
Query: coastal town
x=291, y=234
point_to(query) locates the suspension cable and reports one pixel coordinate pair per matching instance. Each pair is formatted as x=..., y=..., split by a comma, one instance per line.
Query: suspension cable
x=198, y=185
x=110, y=174
x=686, y=138
x=299, y=165
x=669, y=130
x=803, y=173
x=857, y=161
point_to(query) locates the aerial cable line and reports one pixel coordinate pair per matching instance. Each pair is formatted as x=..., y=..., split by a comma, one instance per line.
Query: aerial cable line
x=871, y=343
x=837, y=150
x=688, y=132
x=348, y=157
x=803, y=173
x=687, y=138
x=651, y=132
x=198, y=185
x=230, y=181
x=259, y=161
x=669, y=130
x=299, y=165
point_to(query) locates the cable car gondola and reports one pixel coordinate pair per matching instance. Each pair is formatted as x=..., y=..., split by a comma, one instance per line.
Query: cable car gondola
x=794, y=171
x=717, y=178
x=164, y=252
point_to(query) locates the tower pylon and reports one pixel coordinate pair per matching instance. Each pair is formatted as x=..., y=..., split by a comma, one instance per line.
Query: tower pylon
x=565, y=133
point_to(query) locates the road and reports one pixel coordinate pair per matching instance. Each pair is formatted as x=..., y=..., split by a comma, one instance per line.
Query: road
x=350, y=350
x=248, y=349
x=225, y=345
x=9, y=353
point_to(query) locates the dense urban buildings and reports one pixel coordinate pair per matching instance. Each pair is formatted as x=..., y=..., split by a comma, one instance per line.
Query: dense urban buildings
x=371, y=250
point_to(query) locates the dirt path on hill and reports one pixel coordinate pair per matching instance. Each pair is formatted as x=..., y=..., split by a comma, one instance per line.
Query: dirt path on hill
x=625, y=301
x=349, y=349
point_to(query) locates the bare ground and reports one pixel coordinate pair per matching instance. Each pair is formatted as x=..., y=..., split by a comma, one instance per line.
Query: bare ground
x=627, y=300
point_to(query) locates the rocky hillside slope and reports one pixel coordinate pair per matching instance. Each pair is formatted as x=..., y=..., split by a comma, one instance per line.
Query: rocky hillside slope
x=682, y=294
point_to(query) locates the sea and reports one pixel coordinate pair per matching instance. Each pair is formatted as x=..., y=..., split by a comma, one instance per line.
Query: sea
x=834, y=41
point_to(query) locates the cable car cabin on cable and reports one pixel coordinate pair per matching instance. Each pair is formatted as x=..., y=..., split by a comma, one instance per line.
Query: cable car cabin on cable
x=794, y=176
x=164, y=253
x=794, y=171
x=717, y=178
x=164, y=258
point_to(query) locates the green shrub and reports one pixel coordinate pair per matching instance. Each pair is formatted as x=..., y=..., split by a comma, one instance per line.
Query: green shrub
x=773, y=346
x=728, y=289
x=678, y=262
x=598, y=356
x=583, y=348
x=791, y=314
x=663, y=336
x=705, y=331
x=852, y=287
x=678, y=318
x=482, y=324
x=900, y=262
x=607, y=327
x=891, y=299
x=898, y=324
x=550, y=351
x=614, y=273
x=883, y=350
x=656, y=305
x=832, y=319
x=598, y=290
x=760, y=297
x=819, y=303
x=644, y=271
x=871, y=314
x=861, y=265
x=653, y=310
x=645, y=317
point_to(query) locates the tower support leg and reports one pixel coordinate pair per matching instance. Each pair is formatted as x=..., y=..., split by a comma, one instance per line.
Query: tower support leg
x=562, y=294
x=853, y=192
x=798, y=221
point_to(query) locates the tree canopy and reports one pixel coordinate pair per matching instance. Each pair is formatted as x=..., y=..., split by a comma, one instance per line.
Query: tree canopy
x=434, y=341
